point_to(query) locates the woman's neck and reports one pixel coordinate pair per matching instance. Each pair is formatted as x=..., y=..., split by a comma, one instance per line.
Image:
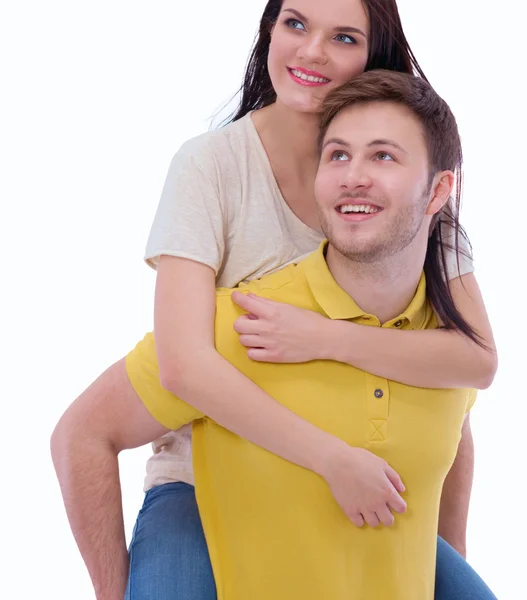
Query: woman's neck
x=290, y=141
x=290, y=133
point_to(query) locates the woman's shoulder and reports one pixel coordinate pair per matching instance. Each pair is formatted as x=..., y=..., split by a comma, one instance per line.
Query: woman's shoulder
x=222, y=147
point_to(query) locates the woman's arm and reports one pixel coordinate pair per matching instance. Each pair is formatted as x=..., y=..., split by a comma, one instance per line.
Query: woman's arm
x=430, y=358
x=437, y=358
x=191, y=368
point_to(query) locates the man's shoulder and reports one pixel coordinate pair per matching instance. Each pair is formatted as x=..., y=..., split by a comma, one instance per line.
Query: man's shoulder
x=281, y=285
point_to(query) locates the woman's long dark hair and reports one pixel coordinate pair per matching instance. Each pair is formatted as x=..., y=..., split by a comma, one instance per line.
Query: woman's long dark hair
x=437, y=284
x=389, y=50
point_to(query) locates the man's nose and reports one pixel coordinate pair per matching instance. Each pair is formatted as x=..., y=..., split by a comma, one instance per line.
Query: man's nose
x=357, y=176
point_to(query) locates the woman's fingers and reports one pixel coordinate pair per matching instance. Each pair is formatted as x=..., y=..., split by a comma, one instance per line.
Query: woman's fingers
x=245, y=324
x=250, y=341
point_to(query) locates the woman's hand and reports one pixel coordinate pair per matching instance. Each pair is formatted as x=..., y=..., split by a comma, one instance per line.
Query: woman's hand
x=278, y=332
x=365, y=486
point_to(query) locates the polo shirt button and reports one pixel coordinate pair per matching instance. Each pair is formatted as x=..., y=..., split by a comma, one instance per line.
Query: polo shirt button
x=398, y=323
x=379, y=393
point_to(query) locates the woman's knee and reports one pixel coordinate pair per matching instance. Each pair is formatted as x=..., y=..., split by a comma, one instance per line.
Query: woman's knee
x=455, y=578
x=170, y=515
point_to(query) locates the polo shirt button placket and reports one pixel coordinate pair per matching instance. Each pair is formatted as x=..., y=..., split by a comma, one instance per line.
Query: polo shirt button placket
x=378, y=403
x=378, y=408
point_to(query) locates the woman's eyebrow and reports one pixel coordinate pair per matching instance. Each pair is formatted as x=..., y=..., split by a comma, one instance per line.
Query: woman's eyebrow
x=343, y=29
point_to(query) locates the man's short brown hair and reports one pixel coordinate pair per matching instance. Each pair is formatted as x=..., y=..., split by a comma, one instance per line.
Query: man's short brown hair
x=441, y=132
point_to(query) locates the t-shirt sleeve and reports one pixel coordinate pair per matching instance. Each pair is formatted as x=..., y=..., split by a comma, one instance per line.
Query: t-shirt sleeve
x=464, y=254
x=466, y=260
x=189, y=221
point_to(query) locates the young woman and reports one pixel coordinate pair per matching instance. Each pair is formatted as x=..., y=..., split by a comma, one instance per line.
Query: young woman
x=238, y=203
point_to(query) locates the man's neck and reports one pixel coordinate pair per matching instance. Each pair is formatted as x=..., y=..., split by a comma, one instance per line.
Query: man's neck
x=385, y=288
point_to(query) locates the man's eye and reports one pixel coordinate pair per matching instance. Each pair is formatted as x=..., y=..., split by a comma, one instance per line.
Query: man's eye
x=339, y=155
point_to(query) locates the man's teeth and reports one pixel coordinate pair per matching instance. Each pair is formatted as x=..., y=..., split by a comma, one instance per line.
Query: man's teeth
x=364, y=208
x=305, y=77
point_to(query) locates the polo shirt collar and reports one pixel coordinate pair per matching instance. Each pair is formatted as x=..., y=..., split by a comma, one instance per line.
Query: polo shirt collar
x=337, y=304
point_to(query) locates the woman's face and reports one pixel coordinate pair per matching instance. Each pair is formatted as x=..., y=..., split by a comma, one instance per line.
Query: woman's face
x=316, y=46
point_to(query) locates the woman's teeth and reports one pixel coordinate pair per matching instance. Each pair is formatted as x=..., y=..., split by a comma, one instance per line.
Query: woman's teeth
x=305, y=77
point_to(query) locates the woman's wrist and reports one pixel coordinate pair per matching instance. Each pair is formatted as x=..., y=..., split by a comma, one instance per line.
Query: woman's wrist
x=333, y=339
x=328, y=456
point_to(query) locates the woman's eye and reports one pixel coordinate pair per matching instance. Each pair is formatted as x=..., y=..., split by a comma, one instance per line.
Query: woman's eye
x=294, y=24
x=346, y=39
x=384, y=156
x=339, y=155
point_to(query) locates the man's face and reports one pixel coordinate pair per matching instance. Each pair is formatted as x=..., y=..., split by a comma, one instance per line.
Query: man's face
x=372, y=185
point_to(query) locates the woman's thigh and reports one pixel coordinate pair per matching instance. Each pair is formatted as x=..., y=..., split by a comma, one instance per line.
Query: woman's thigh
x=169, y=559
x=455, y=578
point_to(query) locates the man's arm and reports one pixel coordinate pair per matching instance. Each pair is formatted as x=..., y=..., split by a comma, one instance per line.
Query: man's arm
x=455, y=499
x=107, y=418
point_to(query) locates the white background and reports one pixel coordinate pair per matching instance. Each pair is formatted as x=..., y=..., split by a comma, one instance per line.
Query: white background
x=96, y=97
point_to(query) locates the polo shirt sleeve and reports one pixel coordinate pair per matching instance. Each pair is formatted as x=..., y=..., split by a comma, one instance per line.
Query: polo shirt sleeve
x=472, y=395
x=143, y=372
x=142, y=366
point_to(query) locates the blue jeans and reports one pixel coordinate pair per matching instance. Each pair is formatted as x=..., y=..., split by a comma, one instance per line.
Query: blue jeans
x=169, y=558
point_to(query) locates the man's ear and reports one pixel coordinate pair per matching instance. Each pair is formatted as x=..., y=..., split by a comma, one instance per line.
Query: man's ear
x=442, y=187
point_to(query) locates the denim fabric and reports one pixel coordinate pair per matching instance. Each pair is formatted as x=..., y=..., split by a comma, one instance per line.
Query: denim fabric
x=169, y=559
x=455, y=578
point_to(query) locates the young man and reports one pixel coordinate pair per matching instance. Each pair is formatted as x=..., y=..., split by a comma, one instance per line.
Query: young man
x=389, y=151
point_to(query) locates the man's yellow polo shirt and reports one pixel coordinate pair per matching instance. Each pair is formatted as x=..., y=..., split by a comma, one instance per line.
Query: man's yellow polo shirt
x=273, y=529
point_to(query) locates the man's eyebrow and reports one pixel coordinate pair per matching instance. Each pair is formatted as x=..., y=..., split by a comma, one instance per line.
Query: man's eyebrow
x=384, y=142
x=376, y=142
x=335, y=140
x=343, y=29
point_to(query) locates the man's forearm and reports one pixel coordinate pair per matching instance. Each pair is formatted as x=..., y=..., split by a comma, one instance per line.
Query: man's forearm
x=455, y=499
x=88, y=472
